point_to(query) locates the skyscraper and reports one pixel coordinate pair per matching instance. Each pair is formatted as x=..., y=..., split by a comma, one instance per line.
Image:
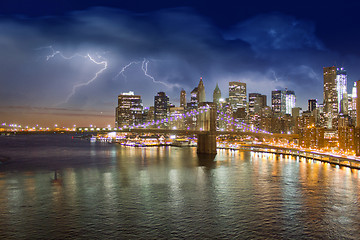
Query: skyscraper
x=312, y=103
x=341, y=88
x=256, y=102
x=183, y=98
x=335, y=89
x=283, y=101
x=278, y=101
x=237, y=95
x=201, y=91
x=358, y=104
x=129, y=110
x=216, y=94
x=330, y=93
x=193, y=99
x=161, y=103
x=290, y=100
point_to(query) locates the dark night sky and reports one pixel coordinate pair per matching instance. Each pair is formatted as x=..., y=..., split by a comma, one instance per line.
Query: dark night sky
x=51, y=52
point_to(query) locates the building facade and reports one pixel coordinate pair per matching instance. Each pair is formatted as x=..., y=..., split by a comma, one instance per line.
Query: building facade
x=256, y=102
x=129, y=110
x=183, y=98
x=237, y=95
x=161, y=103
x=216, y=94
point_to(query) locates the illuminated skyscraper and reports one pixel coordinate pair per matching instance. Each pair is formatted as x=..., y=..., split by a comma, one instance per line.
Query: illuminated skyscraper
x=278, y=102
x=341, y=88
x=216, y=94
x=358, y=104
x=290, y=100
x=330, y=92
x=183, y=98
x=237, y=95
x=129, y=110
x=283, y=102
x=335, y=89
x=161, y=103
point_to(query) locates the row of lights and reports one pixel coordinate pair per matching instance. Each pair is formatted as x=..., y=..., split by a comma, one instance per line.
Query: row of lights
x=241, y=125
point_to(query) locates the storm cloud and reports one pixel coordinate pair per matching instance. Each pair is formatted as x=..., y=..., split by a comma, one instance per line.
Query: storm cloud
x=53, y=61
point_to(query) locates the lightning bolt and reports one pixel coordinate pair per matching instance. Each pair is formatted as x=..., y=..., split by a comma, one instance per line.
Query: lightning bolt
x=122, y=72
x=274, y=74
x=104, y=63
x=144, y=67
x=54, y=53
x=88, y=56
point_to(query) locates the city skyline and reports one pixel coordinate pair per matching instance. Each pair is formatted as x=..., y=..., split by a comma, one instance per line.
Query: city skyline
x=77, y=60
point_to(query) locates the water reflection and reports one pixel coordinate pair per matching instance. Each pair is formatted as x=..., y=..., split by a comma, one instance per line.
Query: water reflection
x=126, y=192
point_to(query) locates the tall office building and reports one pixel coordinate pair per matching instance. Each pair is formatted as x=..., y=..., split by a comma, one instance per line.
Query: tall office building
x=193, y=104
x=237, y=95
x=341, y=88
x=129, y=110
x=290, y=101
x=161, y=103
x=278, y=102
x=201, y=91
x=183, y=98
x=216, y=94
x=330, y=93
x=335, y=88
x=312, y=104
x=256, y=102
x=358, y=104
x=354, y=96
x=283, y=102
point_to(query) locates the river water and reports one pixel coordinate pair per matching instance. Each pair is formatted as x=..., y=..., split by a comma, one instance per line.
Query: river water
x=56, y=187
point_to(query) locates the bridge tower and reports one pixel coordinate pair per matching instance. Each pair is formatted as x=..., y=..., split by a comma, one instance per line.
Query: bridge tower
x=206, y=124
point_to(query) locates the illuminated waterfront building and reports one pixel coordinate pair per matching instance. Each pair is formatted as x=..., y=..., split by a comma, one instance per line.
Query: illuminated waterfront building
x=346, y=136
x=312, y=137
x=358, y=104
x=237, y=95
x=129, y=110
x=161, y=103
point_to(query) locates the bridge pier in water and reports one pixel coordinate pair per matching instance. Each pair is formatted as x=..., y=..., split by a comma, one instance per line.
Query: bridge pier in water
x=206, y=143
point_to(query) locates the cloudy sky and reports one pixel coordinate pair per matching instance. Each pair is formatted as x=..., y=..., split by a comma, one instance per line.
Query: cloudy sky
x=64, y=62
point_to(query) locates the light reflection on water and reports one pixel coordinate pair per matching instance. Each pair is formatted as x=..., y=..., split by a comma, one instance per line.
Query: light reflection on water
x=106, y=190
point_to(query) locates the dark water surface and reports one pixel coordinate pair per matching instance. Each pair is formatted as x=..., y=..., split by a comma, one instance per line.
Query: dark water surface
x=106, y=191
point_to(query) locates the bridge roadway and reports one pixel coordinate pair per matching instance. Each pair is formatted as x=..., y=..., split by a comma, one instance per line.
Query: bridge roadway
x=196, y=132
x=167, y=131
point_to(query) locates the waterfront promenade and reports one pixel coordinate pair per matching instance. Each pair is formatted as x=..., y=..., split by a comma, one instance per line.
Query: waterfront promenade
x=332, y=158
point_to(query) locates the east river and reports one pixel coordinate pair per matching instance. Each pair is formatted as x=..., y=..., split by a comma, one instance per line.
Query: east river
x=56, y=187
